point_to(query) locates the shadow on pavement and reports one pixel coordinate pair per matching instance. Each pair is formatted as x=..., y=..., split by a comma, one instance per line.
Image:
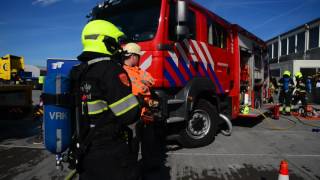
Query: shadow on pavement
x=153, y=151
x=18, y=129
x=16, y=161
x=247, y=122
x=247, y=171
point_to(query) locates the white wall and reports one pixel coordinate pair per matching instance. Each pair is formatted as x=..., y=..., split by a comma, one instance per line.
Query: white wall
x=305, y=64
x=283, y=66
x=295, y=65
x=34, y=69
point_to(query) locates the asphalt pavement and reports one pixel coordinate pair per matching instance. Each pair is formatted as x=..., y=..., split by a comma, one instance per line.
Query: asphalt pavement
x=253, y=151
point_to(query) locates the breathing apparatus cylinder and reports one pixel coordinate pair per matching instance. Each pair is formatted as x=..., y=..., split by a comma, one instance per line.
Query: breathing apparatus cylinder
x=57, y=114
x=309, y=85
x=286, y=82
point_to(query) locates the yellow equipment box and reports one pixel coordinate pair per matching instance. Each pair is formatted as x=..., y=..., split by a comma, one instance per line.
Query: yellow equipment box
x=10, y=64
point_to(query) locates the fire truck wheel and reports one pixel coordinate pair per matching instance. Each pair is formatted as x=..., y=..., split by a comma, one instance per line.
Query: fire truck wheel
x=201, y=127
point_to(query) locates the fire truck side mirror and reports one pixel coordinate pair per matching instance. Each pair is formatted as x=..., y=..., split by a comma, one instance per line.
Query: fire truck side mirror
x=182, y=30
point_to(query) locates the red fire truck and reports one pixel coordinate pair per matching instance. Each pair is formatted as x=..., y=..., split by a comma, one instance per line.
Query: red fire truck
x=205, y=68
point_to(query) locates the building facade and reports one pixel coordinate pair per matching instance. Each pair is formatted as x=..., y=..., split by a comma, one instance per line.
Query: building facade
x=296, y=50
x=34, y=70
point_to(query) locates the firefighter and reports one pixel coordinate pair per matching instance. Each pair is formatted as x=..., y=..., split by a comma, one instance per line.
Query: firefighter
x=38, y=117
x=309, y=84
x=286, y=86
x=141, y=80
x=41, y=81
x=272, y=89
x=104, y=147
x=300, y=93
x=147, y=129
x=15, y=77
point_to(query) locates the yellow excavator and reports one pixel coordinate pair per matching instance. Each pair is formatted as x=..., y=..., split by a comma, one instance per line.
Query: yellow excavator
x=15, y=97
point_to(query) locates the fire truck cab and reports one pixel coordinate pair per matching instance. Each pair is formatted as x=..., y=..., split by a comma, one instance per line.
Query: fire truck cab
x=203, y=66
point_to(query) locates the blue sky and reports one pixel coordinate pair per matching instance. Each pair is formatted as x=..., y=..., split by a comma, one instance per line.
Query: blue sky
x=39, y=29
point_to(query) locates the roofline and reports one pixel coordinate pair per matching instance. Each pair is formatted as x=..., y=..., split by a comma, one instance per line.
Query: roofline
x=10, y=55
x=295, y=29
x=249, y=34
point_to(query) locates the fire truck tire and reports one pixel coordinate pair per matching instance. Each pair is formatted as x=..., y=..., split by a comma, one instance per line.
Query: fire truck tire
x=201, y=126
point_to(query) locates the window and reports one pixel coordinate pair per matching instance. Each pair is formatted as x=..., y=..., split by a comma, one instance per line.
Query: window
x=217, y=35
x=275, y=49
x=301, y=42
x=283, y=47
x=127, y=17
x=308, y=71
x=43, y=72
x=275, y=73
x=257, y=62
x=191, y=23
x=172, y=22
x=270, y=51
x=292, y=44
x=314, y=37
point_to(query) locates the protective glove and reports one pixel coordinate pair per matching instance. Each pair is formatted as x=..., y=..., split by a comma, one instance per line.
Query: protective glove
x=147, y=117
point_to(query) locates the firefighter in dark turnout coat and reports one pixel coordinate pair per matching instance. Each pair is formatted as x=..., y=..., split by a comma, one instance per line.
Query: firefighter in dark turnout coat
x=108, y=107
x=286, y=86
x=301, y=90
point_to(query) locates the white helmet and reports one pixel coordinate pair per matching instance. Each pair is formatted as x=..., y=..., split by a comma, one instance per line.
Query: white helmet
x=133, y=48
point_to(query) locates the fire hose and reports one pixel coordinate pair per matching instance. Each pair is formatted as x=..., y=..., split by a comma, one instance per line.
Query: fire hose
x=274, y=127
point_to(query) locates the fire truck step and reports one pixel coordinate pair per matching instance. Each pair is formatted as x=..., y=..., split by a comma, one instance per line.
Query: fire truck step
x=255, y=113
x=175, y=119
x=175, y=101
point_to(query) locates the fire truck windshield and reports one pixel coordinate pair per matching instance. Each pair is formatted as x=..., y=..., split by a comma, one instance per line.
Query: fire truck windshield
x=138, y=19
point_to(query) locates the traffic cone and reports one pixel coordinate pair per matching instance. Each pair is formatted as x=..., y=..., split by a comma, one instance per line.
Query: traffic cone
x=283, y=172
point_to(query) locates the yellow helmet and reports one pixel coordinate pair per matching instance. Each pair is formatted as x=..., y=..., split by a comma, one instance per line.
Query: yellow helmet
x=133, y=48
x=298, y=74
x=245, y=110
x=287, y=73
x=14, y=71
x=101, y=36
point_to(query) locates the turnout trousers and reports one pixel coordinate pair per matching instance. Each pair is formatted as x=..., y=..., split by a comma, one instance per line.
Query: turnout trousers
x=285, y=100
x=115, y=161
